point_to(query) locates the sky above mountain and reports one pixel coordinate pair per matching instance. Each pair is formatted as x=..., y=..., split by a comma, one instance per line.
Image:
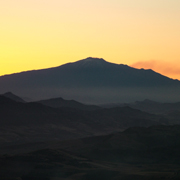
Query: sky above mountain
x=37, y=34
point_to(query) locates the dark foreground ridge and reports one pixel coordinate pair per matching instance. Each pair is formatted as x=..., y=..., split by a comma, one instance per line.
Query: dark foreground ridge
x=137, y=153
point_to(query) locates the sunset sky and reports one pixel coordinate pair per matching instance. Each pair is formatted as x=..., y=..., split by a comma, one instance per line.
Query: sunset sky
x=37, y=34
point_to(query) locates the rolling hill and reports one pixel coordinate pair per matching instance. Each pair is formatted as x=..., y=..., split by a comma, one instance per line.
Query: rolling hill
x=34, y=122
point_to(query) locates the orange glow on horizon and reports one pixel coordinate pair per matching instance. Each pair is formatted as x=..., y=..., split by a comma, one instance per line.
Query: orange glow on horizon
x=165, y=68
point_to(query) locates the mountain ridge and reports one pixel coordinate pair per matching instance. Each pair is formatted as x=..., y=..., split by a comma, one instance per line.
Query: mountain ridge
x=33, y=122
x=92, y=81
x=89, y=61
x=60, y=102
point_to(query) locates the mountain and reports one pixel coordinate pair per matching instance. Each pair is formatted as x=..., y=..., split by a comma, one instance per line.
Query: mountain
x=92, y=80
x=34, y=122
x=60, y=102
x=13, y=97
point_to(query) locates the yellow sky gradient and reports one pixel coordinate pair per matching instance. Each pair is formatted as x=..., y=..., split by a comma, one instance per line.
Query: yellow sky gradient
x=37, y=34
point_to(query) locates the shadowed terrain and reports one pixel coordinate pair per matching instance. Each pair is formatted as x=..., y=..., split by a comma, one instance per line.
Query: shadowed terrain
x=137, y=153
x=34, y=122
x=68, y=140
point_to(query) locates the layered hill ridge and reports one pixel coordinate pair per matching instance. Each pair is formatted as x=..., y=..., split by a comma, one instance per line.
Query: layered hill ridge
x=92, y=80
x=34, y=122
x=60, y=102
x=150, y=106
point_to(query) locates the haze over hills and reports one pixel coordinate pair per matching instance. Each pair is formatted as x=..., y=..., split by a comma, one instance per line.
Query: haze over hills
x=149, y=106
x=54, y=102
x=92, y=80
x=34, y=122
x=60, y=102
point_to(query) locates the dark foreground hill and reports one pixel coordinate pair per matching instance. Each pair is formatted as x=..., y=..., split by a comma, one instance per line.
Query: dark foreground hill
x=156, y=144
x=34, y=122
x=137, y=153
x=92, y=80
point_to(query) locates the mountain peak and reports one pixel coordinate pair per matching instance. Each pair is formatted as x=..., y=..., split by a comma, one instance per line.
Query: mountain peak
x=94, y=59
x=92, y=62
x=12, y=96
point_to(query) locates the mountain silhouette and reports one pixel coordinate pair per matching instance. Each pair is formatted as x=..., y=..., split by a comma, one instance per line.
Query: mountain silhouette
x=60, y=102
x=13, y=97
x=92, y=80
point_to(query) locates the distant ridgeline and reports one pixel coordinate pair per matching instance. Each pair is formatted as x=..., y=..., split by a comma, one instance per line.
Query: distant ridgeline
x=92, y=80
